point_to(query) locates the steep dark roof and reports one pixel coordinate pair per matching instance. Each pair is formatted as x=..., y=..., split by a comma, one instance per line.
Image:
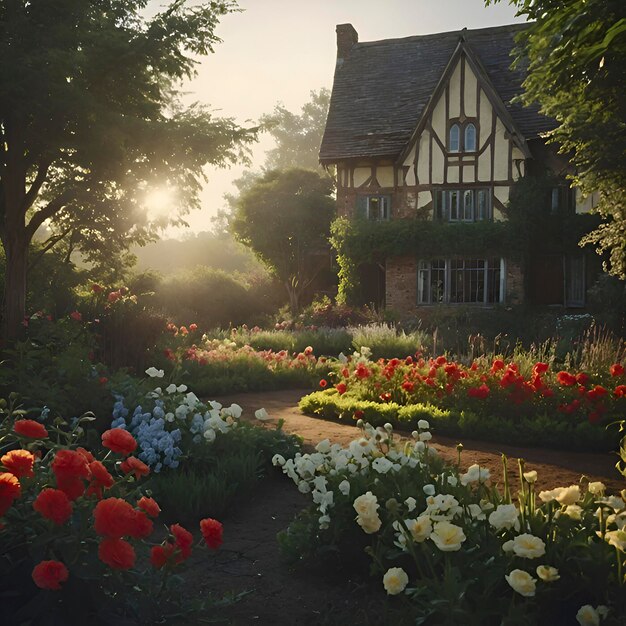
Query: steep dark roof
x=382, y=88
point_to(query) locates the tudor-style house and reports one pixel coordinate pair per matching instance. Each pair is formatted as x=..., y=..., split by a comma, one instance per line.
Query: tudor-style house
x=427, y=126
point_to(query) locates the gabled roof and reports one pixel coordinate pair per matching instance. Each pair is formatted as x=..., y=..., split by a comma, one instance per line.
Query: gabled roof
x=382, y=88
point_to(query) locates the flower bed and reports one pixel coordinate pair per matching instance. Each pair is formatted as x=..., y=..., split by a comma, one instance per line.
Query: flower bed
x=492, y=400
x=454, y=548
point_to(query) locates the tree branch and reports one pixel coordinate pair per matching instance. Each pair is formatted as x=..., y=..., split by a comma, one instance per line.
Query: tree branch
x=50, y=210
x=50, y=243
x=36, y=185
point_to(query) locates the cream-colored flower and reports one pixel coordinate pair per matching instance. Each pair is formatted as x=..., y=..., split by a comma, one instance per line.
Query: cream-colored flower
x=522, y=582
x=476, y=512
x=530, y=477
x=370, y=524
x=547, y=573
x=507, y=546
x=395, y=581
x=382, y=465
x=429, y=490
x=505, y=516
x=278, y=459
x=475, y=474
x=261, y=415
x=423, y=425
x=528, y=546
x=411, y=503
x=548, y=496
x=448, y=537
x=323, y=446
x=597, y=488
x=569, y=495
x=366, y=505
x=617, y=538
x=420, y=528
x=574, y=511
x=587, y=616
x=344, y=487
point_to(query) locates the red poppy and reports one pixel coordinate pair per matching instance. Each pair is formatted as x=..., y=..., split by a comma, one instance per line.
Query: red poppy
x=540, y=368
x=212, y=531
x=119, y=440
x=100, y=479
x=617, y=369
x=358, y=414
x=323, y=383
x=345, y=372
x=19, y=463
x=341, y=388
x=479, y=392
x=53, y=504
x=70, y=468
x=140, y=526
x=103, y=380
x=30, y=428
x=408, y=386
x=149, y=506
x=135, y=466
x=385, y=397
x=114, y=517
x=183, y=540
x=362, y=371
x=441, y=360
x=620, y=391
x=116, y=553
x=566, y=379
x=10, y=489
x=50, y=575
x=497, y=365
x=597, y=392
x=582, y=378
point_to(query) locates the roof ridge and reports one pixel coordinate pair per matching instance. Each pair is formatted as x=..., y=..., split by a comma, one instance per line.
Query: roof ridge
x=458, y=32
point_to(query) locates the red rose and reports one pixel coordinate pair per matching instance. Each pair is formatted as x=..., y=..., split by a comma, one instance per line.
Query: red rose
x=183, y=539
x=617, y=369
x=149, y=506
x=341, y=388
x=160, y=555
x=54, y=505
x=134, y=466
x=119, y=440
x=116, y=553
x=323, y=383
x=10, y=489
x=100, y=479
x=30, y=428
x=50, y=575
x=19, y=463
x=212, y=531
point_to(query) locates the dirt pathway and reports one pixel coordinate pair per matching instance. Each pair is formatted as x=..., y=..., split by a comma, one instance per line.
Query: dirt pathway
x=555, y=467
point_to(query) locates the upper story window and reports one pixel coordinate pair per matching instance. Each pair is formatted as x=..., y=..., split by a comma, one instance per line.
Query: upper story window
x=375, y=207
x=462, y=137
x=462, y=205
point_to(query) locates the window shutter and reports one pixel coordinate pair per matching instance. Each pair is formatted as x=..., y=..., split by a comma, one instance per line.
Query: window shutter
x=361, y=207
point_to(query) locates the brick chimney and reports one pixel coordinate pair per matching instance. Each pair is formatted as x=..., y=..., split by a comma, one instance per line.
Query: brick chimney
x=346, y=38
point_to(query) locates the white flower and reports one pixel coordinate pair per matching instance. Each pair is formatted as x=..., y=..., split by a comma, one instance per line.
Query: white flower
x=342, y=358
x=320, y=482
x=411, y=503
x=216, y=406
x=453, y=481
x=597, y=488
x=366, y=505
x=153, y=372
x=170, y=417
x=530, y=477
x=323, y=446
x=419, y=447
x=420, y=528
x=548, y=574
x=278, y=459
x=617, y=538
x=548, y=496
x=448, y=537
x=587, y=616
x=505, y=516
x=569, y=495
x=395, y=581
x=429, y=490
x=261, y=415
x=324, y=522
x=617, y=504
x=522, y=582
x=171, y=388
x=529, y=546
x=181, y=388
x=369, y=524
x=426, y=436
x=423, y=425
x=476, y=512
x=209, y=435
x=235, y=410
x=507, y=546
x=382, y=465
x=344, y=487
x=304, y=487
x=474, y=474
x=574, y=511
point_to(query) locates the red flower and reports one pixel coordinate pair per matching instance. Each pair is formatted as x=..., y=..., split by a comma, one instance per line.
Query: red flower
x=114, y=296
x=169, y=354
x=617, y=369
x=140, y=526
x=597, y=392
x=362, y=371
x=119, y=440
x=103, y=380
x=114, y=517
x=212, y=531
x=408, y=386
x=479, y=392
x=341, y=388
x=497, y=365
x=620, y=391
x=566, y=379
x=323, y=383
x=160, y=555
x=595, y=417
x=193, y=327
x=135, y=466
x=358, y=414
x=53, y=504
x=30, y=428
x=540, y=368
x=116, y=553
x=582, y=378
x=345, y=372
x=75, y=315
x=50, y=575
x=10, y=489
x=97, y=288
x=183, y=540
x=385, y=397
x=69, y=468
x=149, y=506
x=19, y=463
x=100, y=479
x=88, y=456
x=441, y=360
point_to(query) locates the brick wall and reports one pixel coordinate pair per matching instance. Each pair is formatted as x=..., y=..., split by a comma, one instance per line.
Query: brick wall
x=401, y=283
x=514, y=284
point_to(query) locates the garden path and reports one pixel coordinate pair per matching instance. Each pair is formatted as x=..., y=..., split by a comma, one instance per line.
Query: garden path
x=554, y=467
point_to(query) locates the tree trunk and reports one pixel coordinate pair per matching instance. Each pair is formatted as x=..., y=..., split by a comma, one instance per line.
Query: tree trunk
x=16, y=251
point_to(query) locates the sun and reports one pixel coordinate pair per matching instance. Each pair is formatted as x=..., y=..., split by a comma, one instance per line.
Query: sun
x=159, y=201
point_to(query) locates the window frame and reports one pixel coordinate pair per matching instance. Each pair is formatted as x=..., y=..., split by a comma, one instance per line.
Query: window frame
x=384, y=201
x=443, y=210
x=462, y=127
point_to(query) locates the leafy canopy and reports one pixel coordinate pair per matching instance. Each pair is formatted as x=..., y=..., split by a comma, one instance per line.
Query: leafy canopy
x=576, y=57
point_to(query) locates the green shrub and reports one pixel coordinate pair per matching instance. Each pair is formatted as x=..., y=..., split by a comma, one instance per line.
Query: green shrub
x=386, y=341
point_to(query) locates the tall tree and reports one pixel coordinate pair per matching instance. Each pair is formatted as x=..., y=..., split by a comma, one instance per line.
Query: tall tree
x=90, y=118
x=576, y=57
x=284, y=217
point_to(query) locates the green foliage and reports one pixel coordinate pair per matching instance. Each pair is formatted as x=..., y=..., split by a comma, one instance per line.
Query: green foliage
x=576, y=57
x=218, y=477
x=387, y=342
x=283, y=218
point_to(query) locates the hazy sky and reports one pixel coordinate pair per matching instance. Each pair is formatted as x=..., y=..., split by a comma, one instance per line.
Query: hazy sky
x=280, y=50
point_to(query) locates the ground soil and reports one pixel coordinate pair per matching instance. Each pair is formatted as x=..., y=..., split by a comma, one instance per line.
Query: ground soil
x=249, y=559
